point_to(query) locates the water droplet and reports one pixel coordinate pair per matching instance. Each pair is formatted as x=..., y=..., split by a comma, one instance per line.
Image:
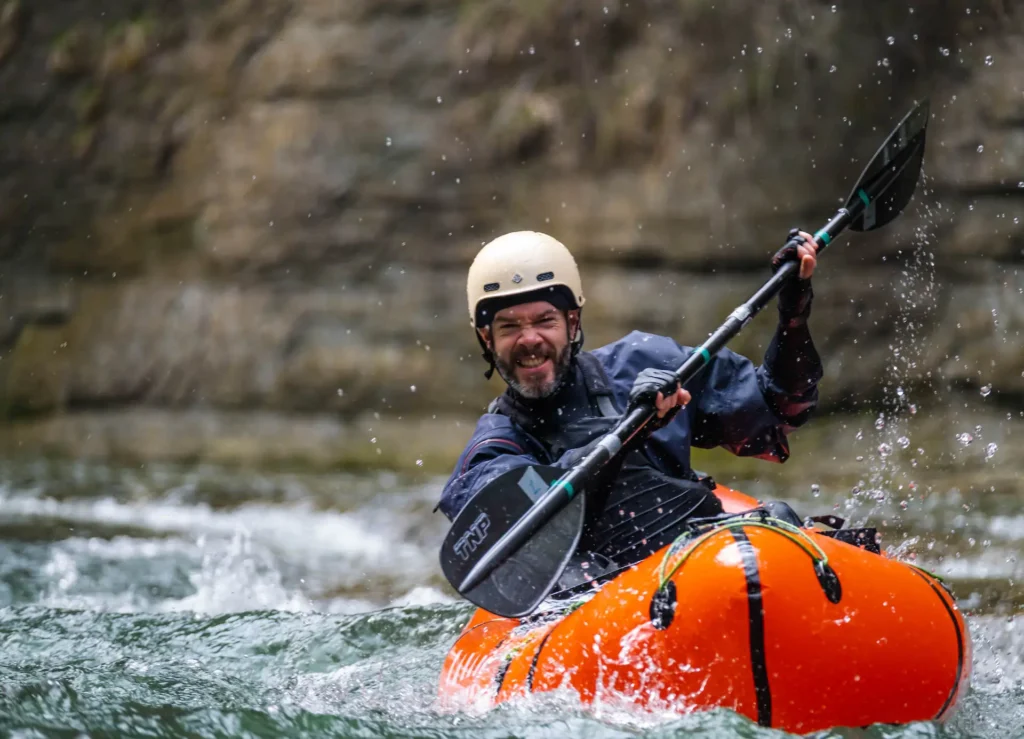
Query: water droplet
x=903, y=441
x=373, y=439
x=833, y=8
x=913, y=409
x=986, y=390
x=859, y=436
x=412, y=388
x=340, y=392
x=904, y=505
x=981, y=148
x=891, y=40
x=988, y=60
x=990, y=451
x=815, y=490
x=884, y=62
x=884, y=450
x=899, y=392
x=965, y=438
x=419, y=462
x=439, y=100
x=577, y=42
x=880, y=423
x=387, y=141
x=943, y=51
x=534, y=51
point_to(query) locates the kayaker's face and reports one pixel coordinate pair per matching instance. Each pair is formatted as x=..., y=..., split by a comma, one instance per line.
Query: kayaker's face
x=531, y=346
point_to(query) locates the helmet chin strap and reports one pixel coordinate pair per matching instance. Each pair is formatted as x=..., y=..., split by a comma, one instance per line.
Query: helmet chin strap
x=488, y=356
x=577, y=342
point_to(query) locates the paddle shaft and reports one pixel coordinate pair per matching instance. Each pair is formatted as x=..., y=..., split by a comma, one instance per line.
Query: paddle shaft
x=562, y=491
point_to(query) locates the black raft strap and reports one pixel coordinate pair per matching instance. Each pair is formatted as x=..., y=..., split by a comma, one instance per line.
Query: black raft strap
x=866, y=538
x=833, y=522
x=755, y=613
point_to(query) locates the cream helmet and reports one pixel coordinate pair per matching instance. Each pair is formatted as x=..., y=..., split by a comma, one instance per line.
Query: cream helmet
x=515, y=264
x=521, y=267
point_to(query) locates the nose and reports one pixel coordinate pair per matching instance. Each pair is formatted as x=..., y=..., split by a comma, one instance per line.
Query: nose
x=530, y=337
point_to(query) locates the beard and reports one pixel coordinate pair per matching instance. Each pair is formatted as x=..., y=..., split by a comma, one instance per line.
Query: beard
x=536, y=390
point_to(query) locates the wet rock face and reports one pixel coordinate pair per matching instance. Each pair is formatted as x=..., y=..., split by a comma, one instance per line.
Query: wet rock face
x=269, y=205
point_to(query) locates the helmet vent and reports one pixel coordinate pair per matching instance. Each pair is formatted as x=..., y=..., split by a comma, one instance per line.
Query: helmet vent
x=490, y=287
x=545, y=276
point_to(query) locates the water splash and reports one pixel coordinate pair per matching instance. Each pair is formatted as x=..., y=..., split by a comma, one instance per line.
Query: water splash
x=914, y=291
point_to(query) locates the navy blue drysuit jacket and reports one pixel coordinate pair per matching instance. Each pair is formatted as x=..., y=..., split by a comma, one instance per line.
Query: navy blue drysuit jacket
x=744, y=408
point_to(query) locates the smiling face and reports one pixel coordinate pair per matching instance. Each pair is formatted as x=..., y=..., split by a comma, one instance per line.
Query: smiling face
x=531, y=344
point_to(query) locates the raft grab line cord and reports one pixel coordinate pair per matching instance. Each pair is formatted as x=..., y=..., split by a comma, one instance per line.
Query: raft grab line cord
x=827, y=577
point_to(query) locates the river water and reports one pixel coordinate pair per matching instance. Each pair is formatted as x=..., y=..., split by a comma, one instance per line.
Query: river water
x=162, y=601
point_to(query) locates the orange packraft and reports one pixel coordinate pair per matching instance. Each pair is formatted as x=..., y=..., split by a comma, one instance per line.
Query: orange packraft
x=789, y=626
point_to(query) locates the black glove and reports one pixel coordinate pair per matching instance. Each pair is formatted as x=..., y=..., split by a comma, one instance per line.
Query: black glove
x=796, y=295
x=645, y=391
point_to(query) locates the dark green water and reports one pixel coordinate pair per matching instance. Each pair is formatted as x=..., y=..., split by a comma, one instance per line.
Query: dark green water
x=168, y=602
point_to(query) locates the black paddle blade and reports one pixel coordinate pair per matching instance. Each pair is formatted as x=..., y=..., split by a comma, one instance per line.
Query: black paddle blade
x=516, y=586
x=889, y=181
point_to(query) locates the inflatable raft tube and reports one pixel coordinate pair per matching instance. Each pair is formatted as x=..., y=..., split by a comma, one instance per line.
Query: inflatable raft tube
x=790, y=627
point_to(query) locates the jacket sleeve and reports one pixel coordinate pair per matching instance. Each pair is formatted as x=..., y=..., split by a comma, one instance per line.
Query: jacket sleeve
x=746, y=409
x=791, y=372
x=751, y=410
x=733, y=408
x=497, y=446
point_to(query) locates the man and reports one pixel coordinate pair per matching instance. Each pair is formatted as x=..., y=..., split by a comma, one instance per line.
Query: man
x=525, y=304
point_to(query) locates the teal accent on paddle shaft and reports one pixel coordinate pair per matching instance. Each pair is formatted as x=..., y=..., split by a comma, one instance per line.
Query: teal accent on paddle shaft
x=864, y=196
x=704, y=353
x=566, y=485
x=823, y=235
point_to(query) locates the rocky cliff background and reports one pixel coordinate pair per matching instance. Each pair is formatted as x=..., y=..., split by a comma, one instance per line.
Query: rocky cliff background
x=238, y=231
